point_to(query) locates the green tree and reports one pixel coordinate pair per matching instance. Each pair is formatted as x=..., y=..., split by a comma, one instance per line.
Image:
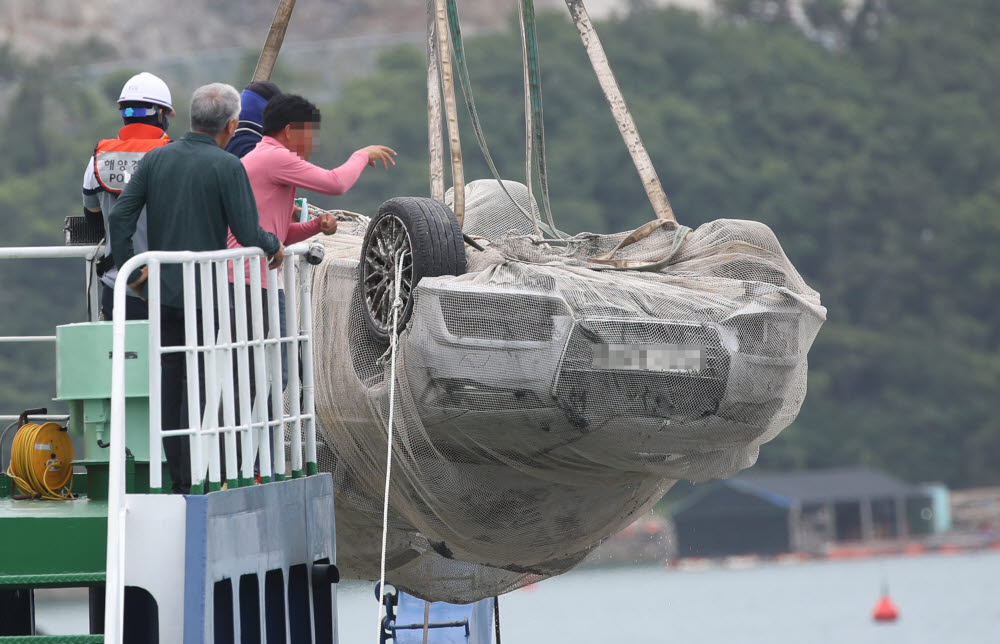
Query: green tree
x=865, y=141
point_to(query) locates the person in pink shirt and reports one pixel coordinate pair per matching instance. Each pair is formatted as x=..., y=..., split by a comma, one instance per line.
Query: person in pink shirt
x=279, y=165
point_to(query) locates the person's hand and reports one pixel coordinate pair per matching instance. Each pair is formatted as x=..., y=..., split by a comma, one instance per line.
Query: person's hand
x=327, y=224
x=137, y=284
x=378, y=153
x=274, y=261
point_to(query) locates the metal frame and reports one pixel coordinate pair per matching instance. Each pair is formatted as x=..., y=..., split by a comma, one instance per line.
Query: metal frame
x=218, y=349
x=88, y=254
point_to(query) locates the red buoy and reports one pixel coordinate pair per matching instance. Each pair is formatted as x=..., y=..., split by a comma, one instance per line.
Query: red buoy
x=885, y=610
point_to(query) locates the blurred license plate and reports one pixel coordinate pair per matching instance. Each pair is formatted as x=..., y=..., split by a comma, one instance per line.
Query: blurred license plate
x=680, y=358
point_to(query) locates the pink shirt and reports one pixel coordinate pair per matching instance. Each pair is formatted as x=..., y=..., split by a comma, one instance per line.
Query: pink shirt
x=275, y=172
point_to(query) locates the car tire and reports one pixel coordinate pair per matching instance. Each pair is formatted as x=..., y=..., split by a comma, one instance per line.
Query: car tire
x=425, y=235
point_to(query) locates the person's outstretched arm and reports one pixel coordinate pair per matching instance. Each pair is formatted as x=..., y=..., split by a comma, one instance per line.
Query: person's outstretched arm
x=302, y=174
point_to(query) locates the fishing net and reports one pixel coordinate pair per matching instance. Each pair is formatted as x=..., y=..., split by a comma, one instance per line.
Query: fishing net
x=547, y=397
x=491, y=213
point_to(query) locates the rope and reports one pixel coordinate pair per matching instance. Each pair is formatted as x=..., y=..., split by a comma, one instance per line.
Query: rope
x=35, y=467
x=397, y=306
x=341, y=215
x=644, y=231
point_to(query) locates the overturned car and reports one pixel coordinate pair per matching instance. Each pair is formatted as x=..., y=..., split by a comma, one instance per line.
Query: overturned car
x=548, y=390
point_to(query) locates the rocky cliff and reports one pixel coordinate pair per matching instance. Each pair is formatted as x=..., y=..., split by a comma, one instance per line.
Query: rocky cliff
x=146, y=29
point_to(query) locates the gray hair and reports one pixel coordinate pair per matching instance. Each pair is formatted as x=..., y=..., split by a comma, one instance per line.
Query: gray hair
x=213, y=106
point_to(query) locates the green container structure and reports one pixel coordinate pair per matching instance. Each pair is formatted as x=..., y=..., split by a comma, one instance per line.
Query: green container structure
x=62, y=543
x=83, y=380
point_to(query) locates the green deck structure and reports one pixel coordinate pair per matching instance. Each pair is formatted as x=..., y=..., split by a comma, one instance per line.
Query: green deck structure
x=50, y=544
x=63, y=544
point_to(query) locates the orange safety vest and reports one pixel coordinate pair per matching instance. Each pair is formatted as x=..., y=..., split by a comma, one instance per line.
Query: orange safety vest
x=115, y=160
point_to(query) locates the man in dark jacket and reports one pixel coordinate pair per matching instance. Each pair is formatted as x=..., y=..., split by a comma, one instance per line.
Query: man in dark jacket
x=253, y=98
x=194, y=193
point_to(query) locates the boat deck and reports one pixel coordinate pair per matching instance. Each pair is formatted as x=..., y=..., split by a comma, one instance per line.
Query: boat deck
x=52, y=543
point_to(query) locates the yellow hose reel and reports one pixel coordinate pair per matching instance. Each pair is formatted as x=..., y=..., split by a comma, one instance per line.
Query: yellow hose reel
x=41, y=461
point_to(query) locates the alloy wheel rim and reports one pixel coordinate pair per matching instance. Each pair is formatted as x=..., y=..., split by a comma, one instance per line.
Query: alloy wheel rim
x=388, y=246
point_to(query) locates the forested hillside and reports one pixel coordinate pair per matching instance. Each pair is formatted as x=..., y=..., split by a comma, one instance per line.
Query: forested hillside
x=869, y=145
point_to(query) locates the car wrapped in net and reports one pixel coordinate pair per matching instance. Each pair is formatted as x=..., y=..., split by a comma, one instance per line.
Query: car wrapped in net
x=548, y=390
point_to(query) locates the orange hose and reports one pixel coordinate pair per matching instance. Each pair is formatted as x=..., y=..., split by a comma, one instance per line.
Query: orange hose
x=41, y=462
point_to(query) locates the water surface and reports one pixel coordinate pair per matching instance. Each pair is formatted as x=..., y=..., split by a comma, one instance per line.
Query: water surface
x=943, y=599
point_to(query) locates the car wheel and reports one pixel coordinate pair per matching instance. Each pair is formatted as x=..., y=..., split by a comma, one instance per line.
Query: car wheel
x=423, y=236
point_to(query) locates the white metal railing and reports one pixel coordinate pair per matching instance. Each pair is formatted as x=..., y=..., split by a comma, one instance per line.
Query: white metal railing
x=217, y=349
x=49, y=252
x=89, y=254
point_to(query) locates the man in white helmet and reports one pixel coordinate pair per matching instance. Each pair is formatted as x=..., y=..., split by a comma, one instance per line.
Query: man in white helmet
x=146, y=107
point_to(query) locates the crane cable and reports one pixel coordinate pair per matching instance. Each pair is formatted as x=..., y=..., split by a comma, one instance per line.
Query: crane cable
x=528, y=121
x=397, y=306
x=533, y=86
x=535, y=133
x=41, y=462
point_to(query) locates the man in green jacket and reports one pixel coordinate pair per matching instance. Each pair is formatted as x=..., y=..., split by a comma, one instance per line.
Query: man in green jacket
x=194, y=193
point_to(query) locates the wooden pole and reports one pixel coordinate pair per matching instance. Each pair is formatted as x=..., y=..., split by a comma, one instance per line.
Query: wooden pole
x=269, y=54
x=435, y=142
x=450, y=108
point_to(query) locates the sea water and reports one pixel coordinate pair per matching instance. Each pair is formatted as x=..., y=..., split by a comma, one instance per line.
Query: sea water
x=943, y=599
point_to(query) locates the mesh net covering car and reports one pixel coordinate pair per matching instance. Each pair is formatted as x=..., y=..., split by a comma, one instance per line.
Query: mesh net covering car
x=545, y=400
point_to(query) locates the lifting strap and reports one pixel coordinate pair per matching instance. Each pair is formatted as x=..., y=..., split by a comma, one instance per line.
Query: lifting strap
x=606, y=78
x=640, y=233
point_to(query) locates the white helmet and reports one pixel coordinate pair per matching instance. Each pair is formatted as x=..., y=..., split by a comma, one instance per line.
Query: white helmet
x=146, y=88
